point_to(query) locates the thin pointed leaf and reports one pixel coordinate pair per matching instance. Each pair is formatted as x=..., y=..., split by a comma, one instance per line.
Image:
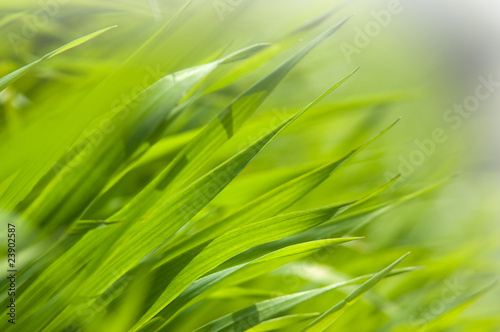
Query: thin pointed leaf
x=189, y=161
x=327, y=319
x=271, y=203
x=242, y=239
x=238, y=274
x=299, y=238
x=182, y=207
x=282, y=322
x=14, y=76
x=246, y=318
x=71, y=191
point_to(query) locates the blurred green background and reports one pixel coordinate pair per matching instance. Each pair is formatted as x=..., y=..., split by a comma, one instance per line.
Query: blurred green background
x=409, y=69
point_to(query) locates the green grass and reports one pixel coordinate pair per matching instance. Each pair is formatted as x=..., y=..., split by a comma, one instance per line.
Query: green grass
x=187, y=175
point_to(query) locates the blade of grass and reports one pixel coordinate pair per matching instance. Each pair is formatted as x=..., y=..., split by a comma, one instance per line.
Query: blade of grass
x=271, y=203
x=189, y=161
x=264, y=57
x=248, y=317
x=269, y=247
x=282, y=322
x=186, y=204
x=14, y=76
x=244, y=238
x=341, y=225
x=327, y=319
x=81, y=178
x=162, y=275
x=202, y=287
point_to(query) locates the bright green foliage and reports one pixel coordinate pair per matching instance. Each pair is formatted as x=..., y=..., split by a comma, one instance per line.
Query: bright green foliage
x=166, y=175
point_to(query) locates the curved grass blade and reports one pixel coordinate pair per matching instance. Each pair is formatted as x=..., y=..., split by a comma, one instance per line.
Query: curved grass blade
x=189, y=161
x=271, y=203
x=242, y=239
x=235, y=242
x=346, y=223
x=264, y=57
x=242, y=292
x=248, y=317
x=202, y=287
x=182, y=207
x=50, y=293
x=14, y=76
x=282, y=322
x=444, y=319
x=10, y=18
x=312, y=234
x=161, y=152
x=98, y=96
x=126, y=256
x=186, y=204
x=78, y=182
x=327, y=319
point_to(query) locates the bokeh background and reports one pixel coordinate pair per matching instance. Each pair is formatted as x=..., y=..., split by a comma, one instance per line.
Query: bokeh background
x=424, y=61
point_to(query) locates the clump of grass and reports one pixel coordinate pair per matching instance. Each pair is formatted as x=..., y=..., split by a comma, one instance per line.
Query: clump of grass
x=121, y=227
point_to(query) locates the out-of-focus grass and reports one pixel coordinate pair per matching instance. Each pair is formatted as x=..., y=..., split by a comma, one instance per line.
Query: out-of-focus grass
x=114, y=185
